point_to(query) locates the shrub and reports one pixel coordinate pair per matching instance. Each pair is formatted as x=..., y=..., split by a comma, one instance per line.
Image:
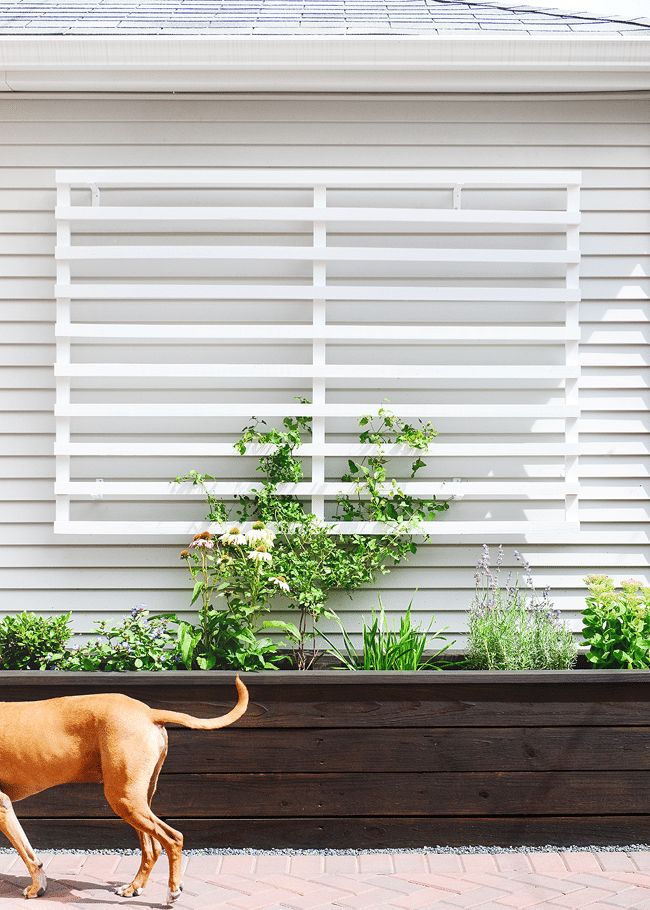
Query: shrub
x=312, y=561
x=616, y=624
x=515, y=628
x=224, y=640
x=140, y=642
x=390, y=649
x=32, y=642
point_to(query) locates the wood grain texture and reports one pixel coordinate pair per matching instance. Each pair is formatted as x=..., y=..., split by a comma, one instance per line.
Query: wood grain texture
x=340, y=760
x=181, y=679
x=383, y=749
x=392, y=794
x=297, y=701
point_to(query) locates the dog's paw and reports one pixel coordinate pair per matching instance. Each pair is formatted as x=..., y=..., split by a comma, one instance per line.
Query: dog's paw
x=128, y=891
x=174, y=895
x=37, y=888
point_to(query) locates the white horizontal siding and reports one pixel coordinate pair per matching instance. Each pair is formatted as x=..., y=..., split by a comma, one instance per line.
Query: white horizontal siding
x=605, y=138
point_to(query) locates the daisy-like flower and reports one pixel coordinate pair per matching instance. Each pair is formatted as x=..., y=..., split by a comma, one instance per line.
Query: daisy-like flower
x=281, y=583
x=202, y=544
x=260, y=554
x=204, y=535
x=260, y=535
x=234, y=538
x=184, y=554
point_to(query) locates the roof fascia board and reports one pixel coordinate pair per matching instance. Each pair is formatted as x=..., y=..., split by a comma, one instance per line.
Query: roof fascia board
x=449, y=63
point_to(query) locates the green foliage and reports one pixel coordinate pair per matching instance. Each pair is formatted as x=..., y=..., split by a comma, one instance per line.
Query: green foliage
x=216, y=509
x=223, y=640
x=311, y=561
x=140, y=642
x=616, y=624
x=390, y=649
x=515, y=628
x=378, y=497
x=32, y=642
x=238, y=567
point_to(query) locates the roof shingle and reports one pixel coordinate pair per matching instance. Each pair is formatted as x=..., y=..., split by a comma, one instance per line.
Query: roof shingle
x=300, y=17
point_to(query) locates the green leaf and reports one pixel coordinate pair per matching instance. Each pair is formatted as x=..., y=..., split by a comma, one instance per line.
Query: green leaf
x=198, y=587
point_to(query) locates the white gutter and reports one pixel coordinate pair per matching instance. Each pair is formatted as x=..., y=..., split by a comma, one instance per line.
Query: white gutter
x=419, y=63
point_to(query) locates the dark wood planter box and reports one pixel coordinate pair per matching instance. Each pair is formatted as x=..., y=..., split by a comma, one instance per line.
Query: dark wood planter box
x=337, y=759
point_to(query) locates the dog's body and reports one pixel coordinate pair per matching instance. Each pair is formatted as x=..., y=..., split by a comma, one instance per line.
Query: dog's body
x=109, y=739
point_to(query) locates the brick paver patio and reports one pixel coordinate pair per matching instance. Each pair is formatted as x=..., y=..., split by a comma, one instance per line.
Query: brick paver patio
x=390, y=881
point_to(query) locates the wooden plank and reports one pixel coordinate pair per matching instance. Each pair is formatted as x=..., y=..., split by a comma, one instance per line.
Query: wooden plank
x=307, y=253
x=127, y=409
x=348, y=833
x=223, y=680
x=33, y=531
x=307, y=177
x=539, y=531
x=310, y=131
x=232, y=371
x=342, y=450
x=488, y=705
x=383, y=749
x=81, y=834
x=528, y=489
x=297, y=332
x=75, y=290
x=399, y=794
x=555, y=112
x=355, y=705
x=489, y=219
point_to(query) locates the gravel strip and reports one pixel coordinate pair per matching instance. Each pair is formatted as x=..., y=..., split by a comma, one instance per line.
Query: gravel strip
x=227, y=851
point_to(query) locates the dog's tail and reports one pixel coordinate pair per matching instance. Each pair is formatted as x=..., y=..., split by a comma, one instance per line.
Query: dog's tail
x=207, y=723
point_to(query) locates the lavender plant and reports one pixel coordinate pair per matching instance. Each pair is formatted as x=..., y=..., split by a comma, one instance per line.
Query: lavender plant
x=511, y=625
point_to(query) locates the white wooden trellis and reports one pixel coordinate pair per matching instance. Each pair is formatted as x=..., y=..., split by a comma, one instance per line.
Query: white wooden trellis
x=77, y=188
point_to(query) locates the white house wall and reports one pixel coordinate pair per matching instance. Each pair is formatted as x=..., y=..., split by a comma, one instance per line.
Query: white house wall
x=606, y=138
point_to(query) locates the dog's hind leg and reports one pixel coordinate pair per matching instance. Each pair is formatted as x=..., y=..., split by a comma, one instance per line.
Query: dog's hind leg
x=150, y=848
x=128, y=789
x=150, y=851
x=135, y=810
x=13, y=831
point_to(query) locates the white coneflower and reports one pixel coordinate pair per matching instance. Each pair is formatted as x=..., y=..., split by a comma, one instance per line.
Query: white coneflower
x=260, y=535
x=233, y=538
x=260, y=554
x=202, y=543
x=281, y=583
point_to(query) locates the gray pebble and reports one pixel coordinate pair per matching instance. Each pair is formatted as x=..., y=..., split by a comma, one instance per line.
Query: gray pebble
x=228, y=851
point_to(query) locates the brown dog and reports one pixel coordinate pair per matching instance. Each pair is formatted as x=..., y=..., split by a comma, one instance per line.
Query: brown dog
x=109, y=739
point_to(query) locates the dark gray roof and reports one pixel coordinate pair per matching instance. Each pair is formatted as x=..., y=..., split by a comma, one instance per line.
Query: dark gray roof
x=302, y=17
